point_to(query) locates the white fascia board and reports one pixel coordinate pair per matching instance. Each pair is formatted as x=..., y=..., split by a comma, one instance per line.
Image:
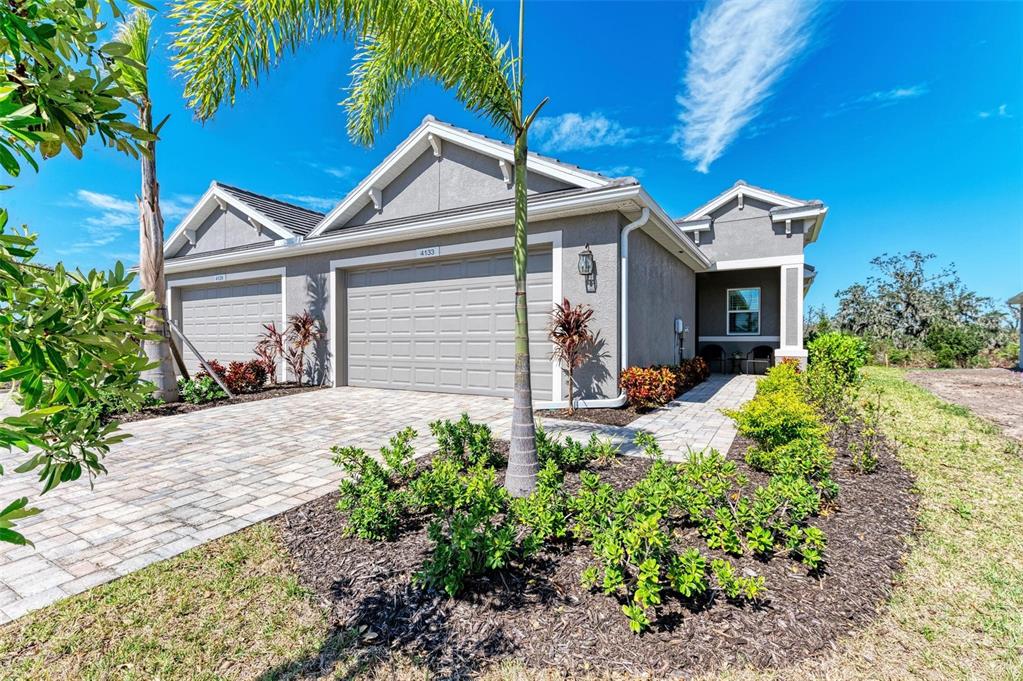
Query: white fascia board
x=254, y=214
x=696, y=225
x=610, y=199
x=417, y=142
x=198, y=213
x=755, y=263
x=815, y=229
x=747, y=192
x=797, y=213
x=217, y=197
x=697, y=259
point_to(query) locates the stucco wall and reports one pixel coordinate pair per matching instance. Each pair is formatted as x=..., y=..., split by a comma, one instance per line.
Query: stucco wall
x=308, y=287
x=661, y=289
x=749, y=233
x=459, y=177
x=712, y=302
x=224, y=229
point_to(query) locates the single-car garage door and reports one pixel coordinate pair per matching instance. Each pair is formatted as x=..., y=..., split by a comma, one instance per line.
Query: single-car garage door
x=224, y=321
x=447, y=326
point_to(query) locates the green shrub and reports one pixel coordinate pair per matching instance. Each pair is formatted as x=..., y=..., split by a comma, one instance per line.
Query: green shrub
x=843, y=355
x=372, y=493
x=954, y=345
x=808, y=457
x=471, y=443
x=109, y=404
x=776, y=418
x=780, y=378
x=734, y=586
x=570, y=454
x=473, y=535
x=200, y=390
x=544, y=513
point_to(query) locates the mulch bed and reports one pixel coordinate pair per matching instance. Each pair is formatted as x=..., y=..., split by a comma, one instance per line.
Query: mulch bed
x=540, y=616
x=622, y=416
x=146, y=413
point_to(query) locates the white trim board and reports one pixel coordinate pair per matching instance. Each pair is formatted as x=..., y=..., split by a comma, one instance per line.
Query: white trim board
x=428, y=135
x=747, y=191
x=738, y=337
x=756, y=263
x=486, y=245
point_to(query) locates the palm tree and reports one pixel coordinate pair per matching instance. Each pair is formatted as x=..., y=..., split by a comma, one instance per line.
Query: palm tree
x=224, y=44
x=134, y=32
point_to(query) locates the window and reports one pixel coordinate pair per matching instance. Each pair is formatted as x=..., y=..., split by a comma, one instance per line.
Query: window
x=743, y=311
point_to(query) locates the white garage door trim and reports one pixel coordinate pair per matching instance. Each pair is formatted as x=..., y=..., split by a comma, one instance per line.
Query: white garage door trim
x=552, y=238
x=238, y=278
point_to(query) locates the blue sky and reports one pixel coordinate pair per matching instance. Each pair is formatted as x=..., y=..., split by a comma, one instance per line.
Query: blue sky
x=905, y=118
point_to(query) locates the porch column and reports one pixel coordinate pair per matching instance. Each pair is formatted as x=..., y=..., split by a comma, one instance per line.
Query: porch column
x=791, y=322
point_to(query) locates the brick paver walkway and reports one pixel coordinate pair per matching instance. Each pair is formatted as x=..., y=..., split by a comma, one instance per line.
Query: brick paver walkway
x=184, y=480
x=692, y=422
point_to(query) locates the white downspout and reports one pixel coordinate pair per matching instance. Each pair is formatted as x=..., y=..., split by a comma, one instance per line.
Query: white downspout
x=623, y=336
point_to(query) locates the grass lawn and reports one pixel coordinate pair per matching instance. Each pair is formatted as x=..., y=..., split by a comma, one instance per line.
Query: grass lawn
x=232, y=608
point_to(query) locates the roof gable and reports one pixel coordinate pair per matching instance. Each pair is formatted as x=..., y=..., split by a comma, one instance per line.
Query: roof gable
x=780, y=208
x=280, y=219
x=741, y=189
x=429, y=140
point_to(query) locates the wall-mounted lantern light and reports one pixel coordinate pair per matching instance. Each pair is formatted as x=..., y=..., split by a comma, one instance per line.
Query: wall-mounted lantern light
x=588, y=268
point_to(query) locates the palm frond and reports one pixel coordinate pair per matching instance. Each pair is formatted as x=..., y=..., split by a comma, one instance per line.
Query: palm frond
x=452, y=42
x=134, y=32
x=222, y=46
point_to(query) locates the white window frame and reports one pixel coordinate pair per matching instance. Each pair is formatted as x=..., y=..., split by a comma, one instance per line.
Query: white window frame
x=729, y=311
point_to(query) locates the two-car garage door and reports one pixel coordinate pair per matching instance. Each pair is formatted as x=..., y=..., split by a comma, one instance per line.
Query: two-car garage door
x=436, y=325
x=224, y=321
x=446, y=326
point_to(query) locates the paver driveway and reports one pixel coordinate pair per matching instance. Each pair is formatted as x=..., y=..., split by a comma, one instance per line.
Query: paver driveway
x=184, y=480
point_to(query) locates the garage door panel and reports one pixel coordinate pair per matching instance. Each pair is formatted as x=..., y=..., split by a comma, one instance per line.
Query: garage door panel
x=447, y=326
x=224, y=321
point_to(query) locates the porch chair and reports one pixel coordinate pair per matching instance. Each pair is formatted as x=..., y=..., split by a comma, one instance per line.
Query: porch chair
x=760, y=355
x=714, y=353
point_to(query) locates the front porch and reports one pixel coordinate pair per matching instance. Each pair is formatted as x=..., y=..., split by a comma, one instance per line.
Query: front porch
x=751, y=318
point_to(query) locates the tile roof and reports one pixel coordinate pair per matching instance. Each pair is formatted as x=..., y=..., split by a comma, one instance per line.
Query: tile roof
x=297, y=219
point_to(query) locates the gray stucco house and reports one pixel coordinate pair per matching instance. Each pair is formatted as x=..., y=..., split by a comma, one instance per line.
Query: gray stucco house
x=411, y=274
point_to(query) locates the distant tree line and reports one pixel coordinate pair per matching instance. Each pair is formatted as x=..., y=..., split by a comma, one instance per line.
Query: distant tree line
x=911, y=314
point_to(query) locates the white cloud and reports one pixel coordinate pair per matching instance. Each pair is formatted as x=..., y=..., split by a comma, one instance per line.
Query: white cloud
x=882, y=98
x=739, y=50
x=885, y=97
x=1002, y=111
x=622, y=171
x=320, y=203
x=106, y=201
x=341, y=173
x=113, y=218
x=572, y=131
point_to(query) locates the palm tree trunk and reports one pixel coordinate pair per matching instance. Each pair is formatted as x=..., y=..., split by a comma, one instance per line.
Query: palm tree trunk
x=151, y=270
x=571, y=389
x=523, y=464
